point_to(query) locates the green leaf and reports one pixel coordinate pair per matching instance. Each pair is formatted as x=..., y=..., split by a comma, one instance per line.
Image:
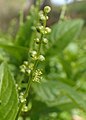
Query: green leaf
x=66, y=66
x=17, y=52
x=62, y=34
x=45, y=110
x=50, y=92
x=42, y=110
x=25, y=33
x=8, y=94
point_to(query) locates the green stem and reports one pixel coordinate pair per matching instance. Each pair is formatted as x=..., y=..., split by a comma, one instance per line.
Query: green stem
x=62, y=15
x=29, y=82
x=31, y=75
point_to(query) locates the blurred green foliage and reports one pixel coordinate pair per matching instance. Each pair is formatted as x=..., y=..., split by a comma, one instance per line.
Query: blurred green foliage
x=63, y=88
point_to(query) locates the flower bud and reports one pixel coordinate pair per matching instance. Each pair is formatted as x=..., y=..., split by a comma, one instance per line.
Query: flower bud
x=31, y=65
x=40, y=12
x=47, y=17
x=41, y=58
x=47, y=30
x=33, y=53
x=40, y=28
x=18, y=87
x=42, y=17
x=45, y=40
x=25, y=108
x=47, y=9
x=26, y=63
x=21, y=97
x=37, y=40
x=23, y=100
x=22, y=68
x=28, y=71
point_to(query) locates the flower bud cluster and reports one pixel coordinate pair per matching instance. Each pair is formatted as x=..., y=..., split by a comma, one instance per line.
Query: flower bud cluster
x=21, y=98
x=43, y=30
x=24, y=108
x=41, y=27
x=23, y=101
x=43, y=14
x=38, y=41
x=26, y=67
x=37, y=57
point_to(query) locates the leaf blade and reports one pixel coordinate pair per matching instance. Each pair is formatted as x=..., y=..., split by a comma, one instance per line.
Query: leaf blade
x=62, y=34
x=8, y=93
x=56, y=88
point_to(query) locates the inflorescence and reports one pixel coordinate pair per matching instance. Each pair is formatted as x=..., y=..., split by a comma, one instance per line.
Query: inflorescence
x=41, y=31
x=30, y=68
